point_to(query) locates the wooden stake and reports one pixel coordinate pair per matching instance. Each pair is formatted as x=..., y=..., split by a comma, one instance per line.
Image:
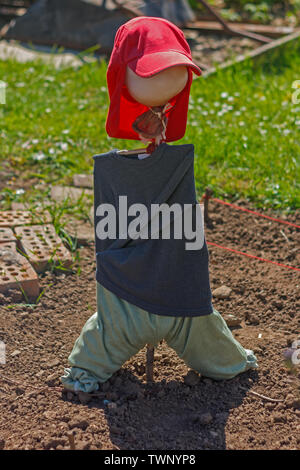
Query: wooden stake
x=149, y=362
x=71, y=441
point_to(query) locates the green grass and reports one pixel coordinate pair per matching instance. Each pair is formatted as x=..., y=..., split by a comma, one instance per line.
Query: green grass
x=242, y=122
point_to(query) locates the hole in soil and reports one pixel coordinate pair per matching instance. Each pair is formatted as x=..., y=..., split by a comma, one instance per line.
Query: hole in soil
x=5, y=279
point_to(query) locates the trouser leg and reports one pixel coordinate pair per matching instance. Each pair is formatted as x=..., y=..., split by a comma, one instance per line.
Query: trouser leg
x=207, y=345
x=116, y=332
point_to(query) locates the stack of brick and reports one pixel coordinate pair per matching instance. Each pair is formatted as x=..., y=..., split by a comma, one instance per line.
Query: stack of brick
x=28, y=244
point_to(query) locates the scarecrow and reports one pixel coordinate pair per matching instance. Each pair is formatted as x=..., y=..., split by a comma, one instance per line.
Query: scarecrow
x=152, y=276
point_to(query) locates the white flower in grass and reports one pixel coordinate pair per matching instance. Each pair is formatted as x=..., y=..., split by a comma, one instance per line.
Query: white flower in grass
x=26, y=144
x=38, y=156
x=241, y=123
x=286, y=131
x=224, y=94
x=237, y=113
x=51, y=151
x=66, y=131
x=297, y=123
x=35, y=141
x=64, y=146
x=20, y=191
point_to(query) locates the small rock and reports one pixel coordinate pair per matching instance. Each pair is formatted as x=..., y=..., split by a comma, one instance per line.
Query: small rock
x=60, y=193
x=84, y=398
x=83, y=181
x=112, y=406
x=53, y=363
x=78, y=423
x=15, y=295
x=253, y=319
x=15, y=353
x=278, y=304
x=115, y=430
x=205, y=419
x=296, y=403
x=278, y=418
x=270, y=406
x=192, y=378
x=70, y=396
x=51, y=379
x=222, y=292
x=49, y=414
x=82, y=231
x=232, y=320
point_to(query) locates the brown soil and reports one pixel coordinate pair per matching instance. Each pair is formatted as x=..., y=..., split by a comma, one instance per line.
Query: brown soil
x=170, y=414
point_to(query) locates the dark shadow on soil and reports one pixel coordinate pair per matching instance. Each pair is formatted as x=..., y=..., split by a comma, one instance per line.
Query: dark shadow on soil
x=169, y=415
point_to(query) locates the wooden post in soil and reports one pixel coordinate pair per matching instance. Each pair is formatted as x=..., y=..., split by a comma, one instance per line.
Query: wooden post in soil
x=207, y=196
x=149, y=363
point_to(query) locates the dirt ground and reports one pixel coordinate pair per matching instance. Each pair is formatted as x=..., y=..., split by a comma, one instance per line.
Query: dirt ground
x=172, y=413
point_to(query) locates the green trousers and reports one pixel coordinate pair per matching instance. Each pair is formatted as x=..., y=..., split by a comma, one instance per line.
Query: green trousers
x=118, y=330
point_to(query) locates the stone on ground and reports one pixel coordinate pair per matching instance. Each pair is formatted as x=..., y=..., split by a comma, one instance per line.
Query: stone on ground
x=222, y=292
x=60, y=193
x=83, y=181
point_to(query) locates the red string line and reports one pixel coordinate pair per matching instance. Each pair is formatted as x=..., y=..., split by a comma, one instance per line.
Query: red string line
x=252, y=256
x=251, y=212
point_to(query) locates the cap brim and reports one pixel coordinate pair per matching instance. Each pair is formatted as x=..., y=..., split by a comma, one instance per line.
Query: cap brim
x=151, y=64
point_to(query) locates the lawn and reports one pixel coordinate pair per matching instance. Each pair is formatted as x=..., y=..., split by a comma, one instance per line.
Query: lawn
x=242, y=121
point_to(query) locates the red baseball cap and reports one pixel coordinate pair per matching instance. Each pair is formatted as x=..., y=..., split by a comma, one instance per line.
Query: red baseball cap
x=148, y=46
